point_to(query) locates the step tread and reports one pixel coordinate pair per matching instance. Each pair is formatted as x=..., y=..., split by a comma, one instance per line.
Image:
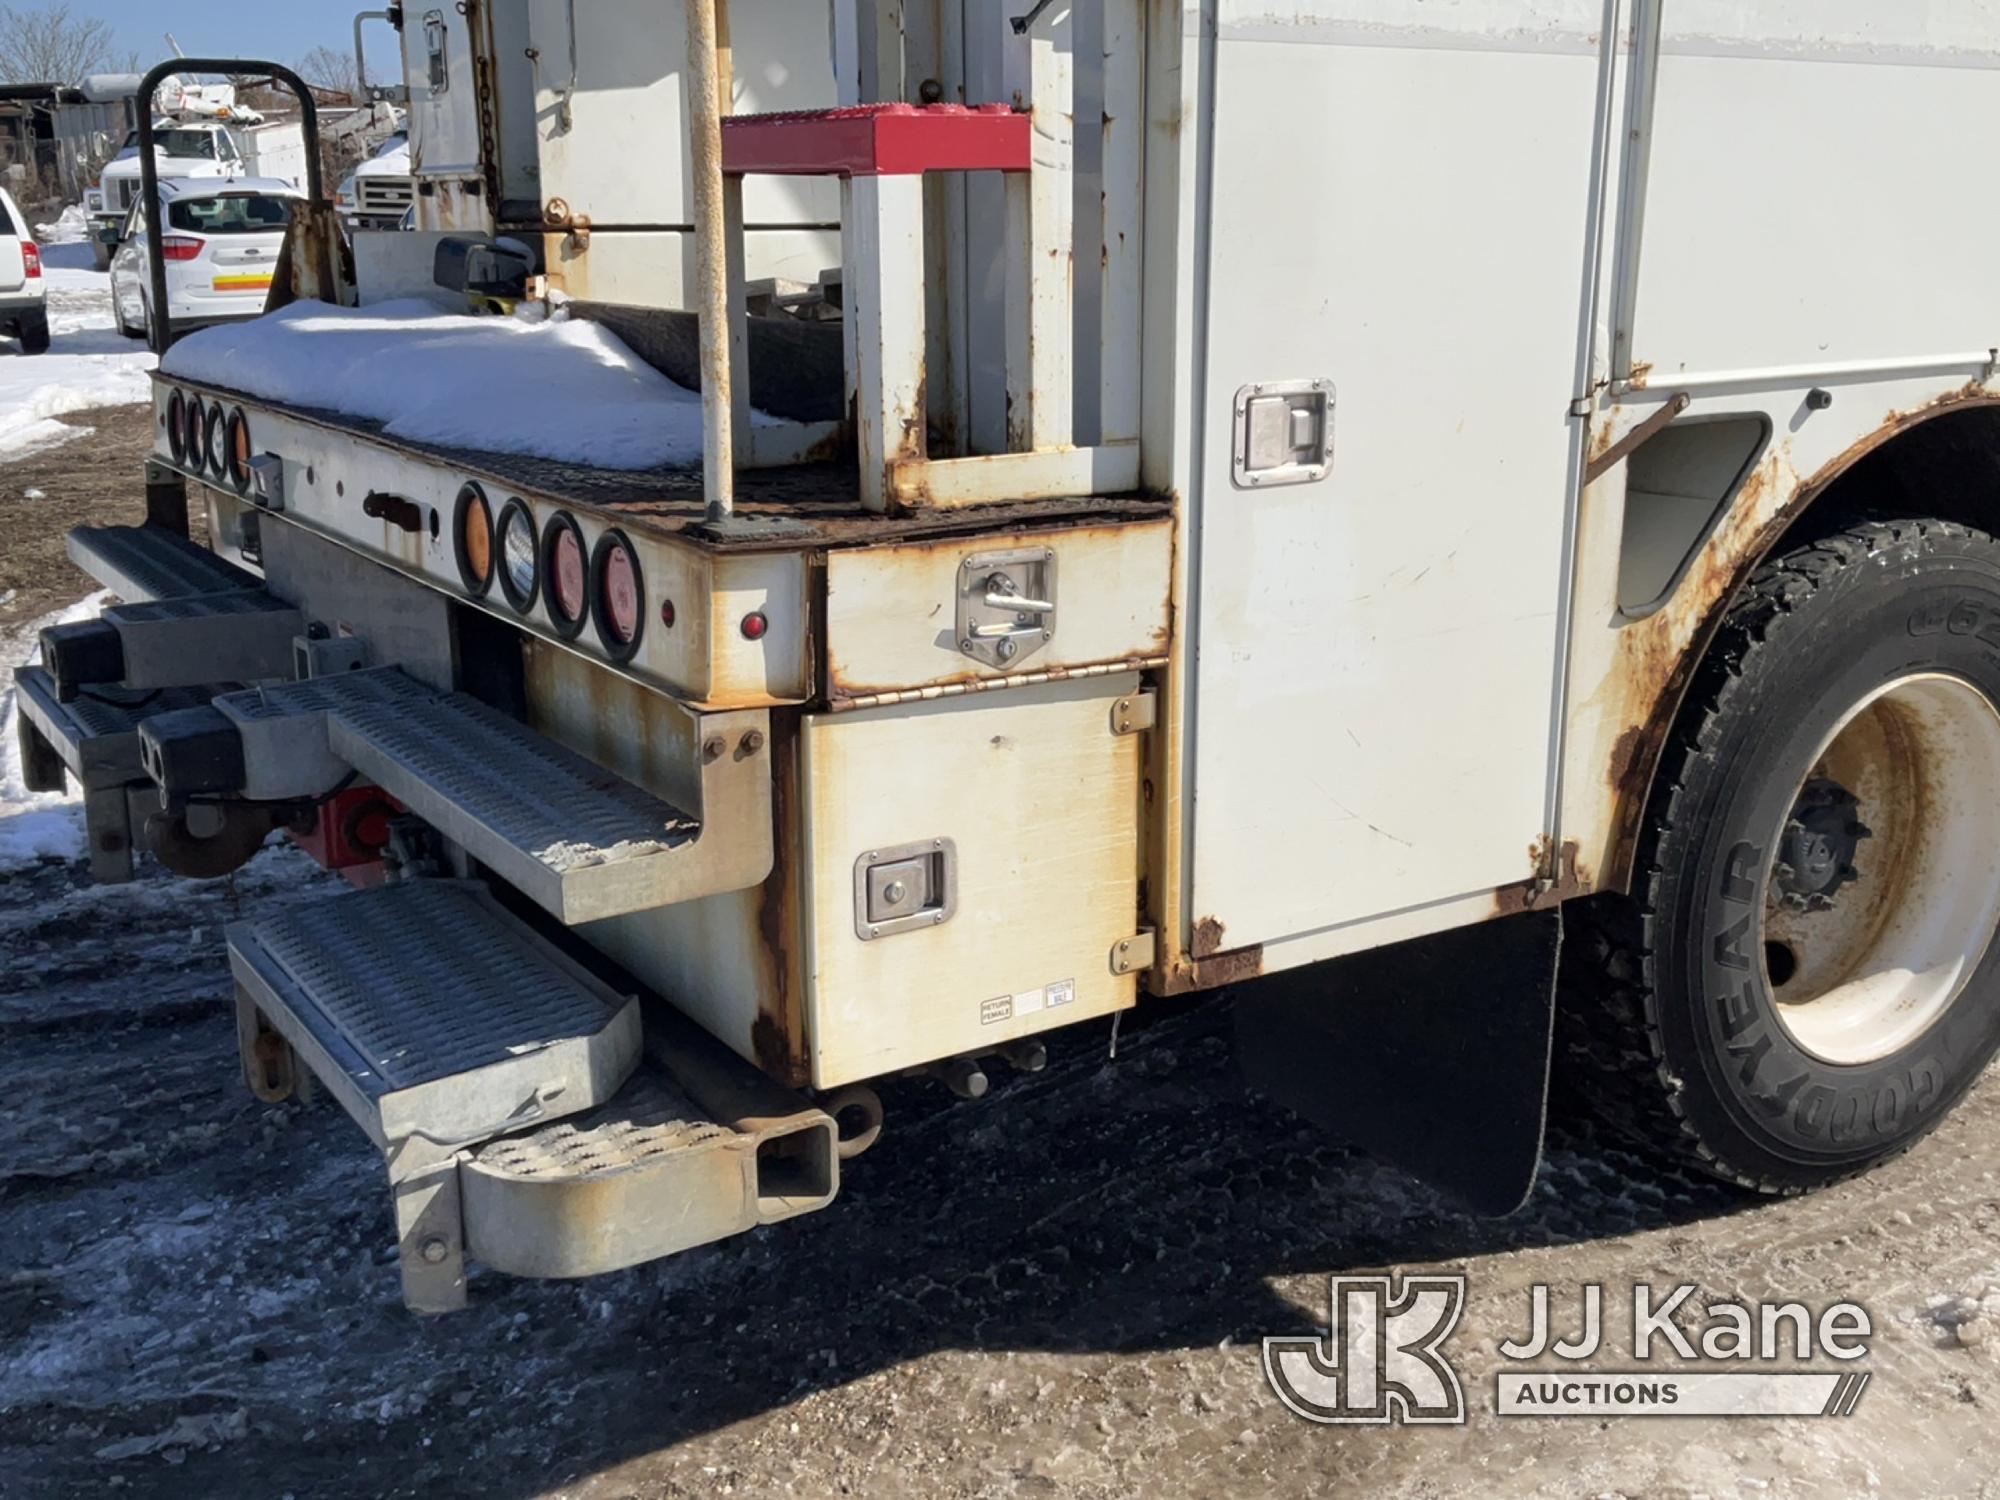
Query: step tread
x=567, y=812
x=439, y=1012
x=235, y=603
x=141, y=563
x=652, y=1118
x=97, y=733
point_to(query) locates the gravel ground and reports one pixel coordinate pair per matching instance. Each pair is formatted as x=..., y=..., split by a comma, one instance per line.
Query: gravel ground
x=1056, y=1291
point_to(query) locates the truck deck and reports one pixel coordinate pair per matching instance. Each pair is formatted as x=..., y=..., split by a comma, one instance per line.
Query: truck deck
x=801, y=506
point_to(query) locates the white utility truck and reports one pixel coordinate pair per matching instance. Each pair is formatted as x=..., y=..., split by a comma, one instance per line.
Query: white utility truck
x=1470, y=525
x=199, y=132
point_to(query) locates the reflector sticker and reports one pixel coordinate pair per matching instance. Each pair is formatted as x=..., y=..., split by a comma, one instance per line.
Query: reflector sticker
x=260, y=283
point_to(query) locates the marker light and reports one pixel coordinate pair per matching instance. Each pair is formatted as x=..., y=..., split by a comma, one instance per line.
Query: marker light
x=237, y=460
x=618, y=595
x=520, y=561
x=566, y=571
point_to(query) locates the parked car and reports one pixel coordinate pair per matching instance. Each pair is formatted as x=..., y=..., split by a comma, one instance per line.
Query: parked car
x=222, y=241
x=24, y=312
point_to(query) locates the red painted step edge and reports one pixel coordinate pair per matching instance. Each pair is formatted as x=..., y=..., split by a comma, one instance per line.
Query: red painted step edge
x=877, y=140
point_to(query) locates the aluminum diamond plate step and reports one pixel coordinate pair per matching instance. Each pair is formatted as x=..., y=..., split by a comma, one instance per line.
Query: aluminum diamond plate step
x=652, y=1173
x=96, y=735
x=139, y=563
x=429, y=1012
x=576, y=838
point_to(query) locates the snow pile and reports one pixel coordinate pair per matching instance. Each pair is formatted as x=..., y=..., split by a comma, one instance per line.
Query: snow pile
x=28, y=407
x=71, y=228
x=558, y=388
x=36, y=825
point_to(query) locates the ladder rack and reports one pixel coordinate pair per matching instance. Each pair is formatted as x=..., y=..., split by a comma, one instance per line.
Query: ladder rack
x=932, y=429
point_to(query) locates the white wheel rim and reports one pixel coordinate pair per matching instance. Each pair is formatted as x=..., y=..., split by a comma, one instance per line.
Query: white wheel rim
x=1859, y=980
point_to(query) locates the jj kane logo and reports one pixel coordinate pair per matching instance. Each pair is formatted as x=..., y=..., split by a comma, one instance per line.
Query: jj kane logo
x=1383, y=1357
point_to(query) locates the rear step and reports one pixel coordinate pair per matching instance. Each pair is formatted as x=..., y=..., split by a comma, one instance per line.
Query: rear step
x=441, y=1023
x=245, y=635
x=139, y=563
x=94, y=740
x=577, y=839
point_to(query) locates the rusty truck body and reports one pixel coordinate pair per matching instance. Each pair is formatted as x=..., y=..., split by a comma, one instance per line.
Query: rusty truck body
x=1469, y=524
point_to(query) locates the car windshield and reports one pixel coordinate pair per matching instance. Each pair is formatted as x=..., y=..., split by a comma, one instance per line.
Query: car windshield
x=238, y=213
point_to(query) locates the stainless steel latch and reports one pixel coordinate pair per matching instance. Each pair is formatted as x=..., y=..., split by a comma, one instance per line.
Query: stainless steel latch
x=905, y=887
x=1006, y=605
x=1284, y=433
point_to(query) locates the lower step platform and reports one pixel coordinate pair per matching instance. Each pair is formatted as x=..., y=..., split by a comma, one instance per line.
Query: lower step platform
x=504, y=1085
x=139, y=563
x=94, y=740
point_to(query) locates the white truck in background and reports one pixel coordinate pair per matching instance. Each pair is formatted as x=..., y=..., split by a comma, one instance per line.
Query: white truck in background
x=200, y=131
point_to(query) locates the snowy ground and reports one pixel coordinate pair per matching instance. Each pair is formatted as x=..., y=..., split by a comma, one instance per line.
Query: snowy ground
x=90, y=363
x=1056, y=1291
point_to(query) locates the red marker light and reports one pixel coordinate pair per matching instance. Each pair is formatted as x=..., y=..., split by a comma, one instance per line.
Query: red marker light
x=755, y=625
x=667, y=613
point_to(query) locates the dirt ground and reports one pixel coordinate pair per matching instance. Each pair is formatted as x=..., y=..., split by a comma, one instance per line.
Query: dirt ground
x=96, y=480
x=1056, y=1291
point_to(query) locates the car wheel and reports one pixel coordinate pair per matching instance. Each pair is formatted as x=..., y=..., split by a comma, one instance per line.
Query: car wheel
x=35, y=334
x=1804, y=981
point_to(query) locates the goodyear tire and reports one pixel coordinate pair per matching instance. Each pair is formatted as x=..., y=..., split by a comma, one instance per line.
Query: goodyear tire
x=1804, y=981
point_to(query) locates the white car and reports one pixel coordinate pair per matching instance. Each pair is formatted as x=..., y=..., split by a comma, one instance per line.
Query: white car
x=222, y=242
x=24, y=311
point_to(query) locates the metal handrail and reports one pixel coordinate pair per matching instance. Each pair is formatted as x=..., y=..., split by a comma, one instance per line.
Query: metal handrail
x=159, y=323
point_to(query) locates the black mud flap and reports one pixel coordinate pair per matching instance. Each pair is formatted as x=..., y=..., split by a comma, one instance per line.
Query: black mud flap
x=1431, y=1054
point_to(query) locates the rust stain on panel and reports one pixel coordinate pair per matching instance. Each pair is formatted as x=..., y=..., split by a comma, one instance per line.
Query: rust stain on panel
x=778, y=1035
x=1657, y=657
x=1556, y=880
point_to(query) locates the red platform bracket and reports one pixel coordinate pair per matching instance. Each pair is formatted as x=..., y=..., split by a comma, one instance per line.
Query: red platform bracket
x=877, y=140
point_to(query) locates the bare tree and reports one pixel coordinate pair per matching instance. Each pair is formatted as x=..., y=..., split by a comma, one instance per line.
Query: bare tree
x=52, y=45
x=330, y=71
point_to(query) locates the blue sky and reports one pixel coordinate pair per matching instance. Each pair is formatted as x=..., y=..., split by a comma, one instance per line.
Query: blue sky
x=273, y=30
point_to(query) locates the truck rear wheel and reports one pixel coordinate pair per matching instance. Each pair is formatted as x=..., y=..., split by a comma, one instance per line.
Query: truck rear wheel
x=1804, y=981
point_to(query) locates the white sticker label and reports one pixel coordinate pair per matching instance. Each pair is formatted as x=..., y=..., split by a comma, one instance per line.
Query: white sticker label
x=1028, y=1002
x=992, y=1012
x=1061, y=992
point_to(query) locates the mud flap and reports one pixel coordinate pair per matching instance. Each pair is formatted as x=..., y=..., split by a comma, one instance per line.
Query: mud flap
x=1433, y=1054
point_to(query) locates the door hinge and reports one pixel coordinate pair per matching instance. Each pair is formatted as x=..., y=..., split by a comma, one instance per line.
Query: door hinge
x=1130, y=955
x=1135, y=712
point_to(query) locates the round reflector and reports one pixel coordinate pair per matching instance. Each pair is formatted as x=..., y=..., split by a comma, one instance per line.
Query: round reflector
x=215, y=442
x=566, y=567
x=196, y=441
x=472, y=541
x=177, y=436
x=238, y=452
x=617, y=594
x=520, y=560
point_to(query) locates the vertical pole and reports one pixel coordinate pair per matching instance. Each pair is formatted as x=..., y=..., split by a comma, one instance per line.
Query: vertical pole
x=1041, y=239
x=737, y=249
x=711, y=233
x=885, y=304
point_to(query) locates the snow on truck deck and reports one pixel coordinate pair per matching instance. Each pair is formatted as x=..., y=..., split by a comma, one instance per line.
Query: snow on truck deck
x=554, y=388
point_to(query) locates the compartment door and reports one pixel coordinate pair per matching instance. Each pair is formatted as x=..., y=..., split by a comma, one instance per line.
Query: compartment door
x=1008, y=823
x=1399, y=206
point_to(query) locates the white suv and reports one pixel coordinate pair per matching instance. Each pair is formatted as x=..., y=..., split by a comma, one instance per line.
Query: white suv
x=24, y=308
x=222, y=241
